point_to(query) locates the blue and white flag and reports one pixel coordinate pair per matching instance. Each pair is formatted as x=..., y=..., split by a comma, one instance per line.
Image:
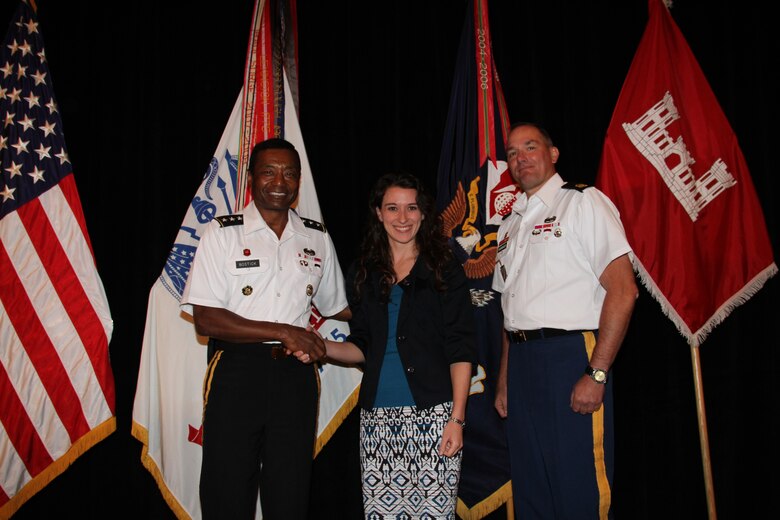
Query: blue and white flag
x=168, y=401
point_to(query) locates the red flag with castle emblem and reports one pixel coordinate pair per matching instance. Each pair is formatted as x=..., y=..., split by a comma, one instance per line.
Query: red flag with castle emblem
x=673, y=166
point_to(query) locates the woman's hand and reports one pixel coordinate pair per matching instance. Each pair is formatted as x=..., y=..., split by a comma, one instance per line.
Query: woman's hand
x=451, y=440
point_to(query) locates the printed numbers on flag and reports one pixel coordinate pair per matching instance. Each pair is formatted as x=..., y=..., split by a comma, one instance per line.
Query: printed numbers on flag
x=337, y=336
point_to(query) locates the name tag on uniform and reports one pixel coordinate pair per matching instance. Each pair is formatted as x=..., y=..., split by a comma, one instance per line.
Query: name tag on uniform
x=247, y=264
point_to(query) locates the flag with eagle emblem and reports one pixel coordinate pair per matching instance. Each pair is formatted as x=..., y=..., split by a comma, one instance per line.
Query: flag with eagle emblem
x=475, y=191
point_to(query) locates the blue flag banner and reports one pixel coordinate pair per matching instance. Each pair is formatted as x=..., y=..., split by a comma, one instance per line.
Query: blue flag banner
x=475, y=191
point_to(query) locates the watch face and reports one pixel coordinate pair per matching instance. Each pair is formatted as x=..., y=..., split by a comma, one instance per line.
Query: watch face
x=597, y=374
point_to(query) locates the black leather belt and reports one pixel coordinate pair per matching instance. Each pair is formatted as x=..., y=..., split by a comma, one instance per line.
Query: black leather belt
x=276, y=350
x=519, y=336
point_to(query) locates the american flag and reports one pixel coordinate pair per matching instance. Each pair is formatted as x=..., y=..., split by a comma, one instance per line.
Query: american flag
x=56, y=384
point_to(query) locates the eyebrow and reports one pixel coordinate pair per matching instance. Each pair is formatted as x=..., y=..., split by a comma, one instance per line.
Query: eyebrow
x=526, y=142
x=279, y=165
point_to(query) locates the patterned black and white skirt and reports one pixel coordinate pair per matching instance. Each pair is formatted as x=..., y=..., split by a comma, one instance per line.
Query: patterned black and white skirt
x=404, y=477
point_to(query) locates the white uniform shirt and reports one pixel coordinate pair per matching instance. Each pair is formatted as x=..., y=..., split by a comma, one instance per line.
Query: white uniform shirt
x=245, y=268
x=552, y=249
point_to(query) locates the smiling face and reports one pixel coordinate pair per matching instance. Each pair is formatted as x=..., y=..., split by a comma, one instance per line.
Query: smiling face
x=531, y=158
x=400, y=215
x=275, y=178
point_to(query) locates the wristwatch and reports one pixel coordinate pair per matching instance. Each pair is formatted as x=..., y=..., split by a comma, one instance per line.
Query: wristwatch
x=598, y=375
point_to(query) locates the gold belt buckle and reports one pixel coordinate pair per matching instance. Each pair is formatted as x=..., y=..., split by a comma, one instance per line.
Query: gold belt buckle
x=521, y=333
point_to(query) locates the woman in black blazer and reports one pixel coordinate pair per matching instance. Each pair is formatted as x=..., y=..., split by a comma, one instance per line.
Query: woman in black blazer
x=412, y=330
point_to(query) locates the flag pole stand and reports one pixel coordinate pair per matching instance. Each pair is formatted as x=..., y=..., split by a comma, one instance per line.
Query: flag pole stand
x=703, y=437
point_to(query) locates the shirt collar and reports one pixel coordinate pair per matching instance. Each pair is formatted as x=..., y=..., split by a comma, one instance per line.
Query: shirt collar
x=546, y=194
x=549, y=190
x=253, y=221
x=295, y=224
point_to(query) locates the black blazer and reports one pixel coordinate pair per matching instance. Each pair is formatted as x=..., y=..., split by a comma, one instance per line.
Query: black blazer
x=435, y=329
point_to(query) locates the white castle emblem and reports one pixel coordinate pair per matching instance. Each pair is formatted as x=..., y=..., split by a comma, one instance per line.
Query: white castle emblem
x=673, y=161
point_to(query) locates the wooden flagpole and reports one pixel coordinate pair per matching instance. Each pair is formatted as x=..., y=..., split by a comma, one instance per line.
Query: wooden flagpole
x=703, y=437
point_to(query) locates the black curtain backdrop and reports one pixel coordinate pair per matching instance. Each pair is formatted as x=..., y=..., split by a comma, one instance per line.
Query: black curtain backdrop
x=145, y=90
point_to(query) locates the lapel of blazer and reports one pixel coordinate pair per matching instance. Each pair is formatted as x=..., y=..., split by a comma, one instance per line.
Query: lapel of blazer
x=417, y=278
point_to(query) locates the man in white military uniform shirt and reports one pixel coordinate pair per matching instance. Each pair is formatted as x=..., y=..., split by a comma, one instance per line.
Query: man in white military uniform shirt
x=253, y=281
x=567, y=293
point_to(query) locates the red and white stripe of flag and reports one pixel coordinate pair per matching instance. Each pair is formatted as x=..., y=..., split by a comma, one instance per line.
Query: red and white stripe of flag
x=56, y=384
